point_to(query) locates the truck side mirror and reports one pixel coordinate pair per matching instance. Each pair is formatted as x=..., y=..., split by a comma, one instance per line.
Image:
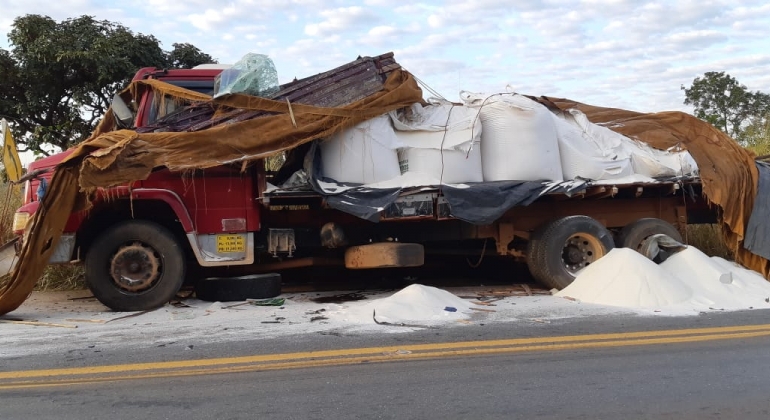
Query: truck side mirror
x=123, y=115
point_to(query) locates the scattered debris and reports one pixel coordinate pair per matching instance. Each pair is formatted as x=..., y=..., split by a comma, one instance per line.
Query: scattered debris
x=345, y=297
x=180, y=296
x=450, y=309
x=130, y=315
x=486, y=303
x=178, y=304
x=236, y=305
x=93, y=321
x=267, y=302
x=483, y=310
x=401, y=324
x=318, y=318
x=36, y=323
x=318, y=311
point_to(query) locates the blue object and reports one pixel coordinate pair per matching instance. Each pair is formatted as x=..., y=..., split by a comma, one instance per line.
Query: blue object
x=450, y=309
x=41, y=189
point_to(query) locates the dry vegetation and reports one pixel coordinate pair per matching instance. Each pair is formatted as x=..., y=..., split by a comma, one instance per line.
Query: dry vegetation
x=55, y=277
x=708, y=238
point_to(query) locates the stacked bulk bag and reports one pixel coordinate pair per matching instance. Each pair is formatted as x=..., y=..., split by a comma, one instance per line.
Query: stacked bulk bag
x=440, y=143
x=519, y=139
x=589, y=152
x=363, y=154
x=661, y=163
x=595, y=152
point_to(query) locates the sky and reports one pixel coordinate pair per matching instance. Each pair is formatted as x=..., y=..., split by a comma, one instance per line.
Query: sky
x=618, y=53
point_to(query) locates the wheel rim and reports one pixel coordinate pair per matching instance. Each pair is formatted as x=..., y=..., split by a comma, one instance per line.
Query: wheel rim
x=580, y=250
x=135, y=267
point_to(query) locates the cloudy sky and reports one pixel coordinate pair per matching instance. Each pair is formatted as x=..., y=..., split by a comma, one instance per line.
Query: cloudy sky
x=620, y=53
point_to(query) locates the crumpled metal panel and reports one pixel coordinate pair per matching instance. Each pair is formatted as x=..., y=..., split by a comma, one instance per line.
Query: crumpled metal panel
x=337, y=87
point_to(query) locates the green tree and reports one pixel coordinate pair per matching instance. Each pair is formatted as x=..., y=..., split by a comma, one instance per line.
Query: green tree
x=719, y=99
x=757, y=136
x=59, y=77
x=187, y=56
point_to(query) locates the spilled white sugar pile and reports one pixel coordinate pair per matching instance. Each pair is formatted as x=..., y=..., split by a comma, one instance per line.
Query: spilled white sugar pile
x=413, y=304
x=626, y=278
x=719, y=284
x=687, y=280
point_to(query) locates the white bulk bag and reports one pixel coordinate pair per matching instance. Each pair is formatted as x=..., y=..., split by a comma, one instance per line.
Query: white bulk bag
x=363, y=154
x=656, y=163
x=439, y=125
x=518, y=140
x=442, y=166
x=585, y=157
x=645, y=160
x=441, y=142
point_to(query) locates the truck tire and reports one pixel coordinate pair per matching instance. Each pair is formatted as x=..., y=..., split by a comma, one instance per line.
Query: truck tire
x=559, y=249
x=633, y=235
x=228, y=289
x=136, y=265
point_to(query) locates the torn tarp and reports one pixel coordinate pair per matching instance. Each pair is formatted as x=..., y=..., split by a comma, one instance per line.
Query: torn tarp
x=757, y=238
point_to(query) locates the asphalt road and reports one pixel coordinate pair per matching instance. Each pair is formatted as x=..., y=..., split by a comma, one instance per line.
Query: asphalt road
x=711, y=366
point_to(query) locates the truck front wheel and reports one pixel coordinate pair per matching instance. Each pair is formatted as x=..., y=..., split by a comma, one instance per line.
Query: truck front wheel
x=134, y=266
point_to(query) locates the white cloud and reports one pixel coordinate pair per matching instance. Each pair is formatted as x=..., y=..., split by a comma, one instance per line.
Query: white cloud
x=623, y=53
x=340, y=20
x=212, y=19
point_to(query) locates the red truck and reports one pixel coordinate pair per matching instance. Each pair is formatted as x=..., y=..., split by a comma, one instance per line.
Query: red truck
x=140, y=242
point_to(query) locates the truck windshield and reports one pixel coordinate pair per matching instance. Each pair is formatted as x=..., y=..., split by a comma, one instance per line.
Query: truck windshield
x=160, y=109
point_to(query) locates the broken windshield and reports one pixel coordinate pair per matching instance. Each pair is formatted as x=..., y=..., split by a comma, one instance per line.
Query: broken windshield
x=161, y=108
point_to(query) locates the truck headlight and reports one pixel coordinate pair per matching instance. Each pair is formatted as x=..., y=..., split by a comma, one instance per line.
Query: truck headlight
x=20, y=220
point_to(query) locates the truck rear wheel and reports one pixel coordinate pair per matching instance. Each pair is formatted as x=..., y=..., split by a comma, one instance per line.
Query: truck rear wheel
x=559, y=249
x=633, y=235
x=134, y=266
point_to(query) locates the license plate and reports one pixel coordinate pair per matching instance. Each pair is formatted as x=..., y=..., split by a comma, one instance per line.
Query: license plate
x=231, y=243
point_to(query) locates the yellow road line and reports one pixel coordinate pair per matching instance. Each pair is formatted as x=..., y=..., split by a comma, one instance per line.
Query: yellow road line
x=60, y=377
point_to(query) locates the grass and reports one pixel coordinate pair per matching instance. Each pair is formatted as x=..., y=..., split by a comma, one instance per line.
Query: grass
x=62, y=277
x=708, y=239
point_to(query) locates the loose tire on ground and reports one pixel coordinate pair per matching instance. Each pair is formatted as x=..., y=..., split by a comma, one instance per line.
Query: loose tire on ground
x=633, y=235
x=136, y=265
x=559, y=249
x=228, y=289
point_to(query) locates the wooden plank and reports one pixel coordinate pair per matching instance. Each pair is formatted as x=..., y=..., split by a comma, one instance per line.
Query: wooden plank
x=36, y=323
